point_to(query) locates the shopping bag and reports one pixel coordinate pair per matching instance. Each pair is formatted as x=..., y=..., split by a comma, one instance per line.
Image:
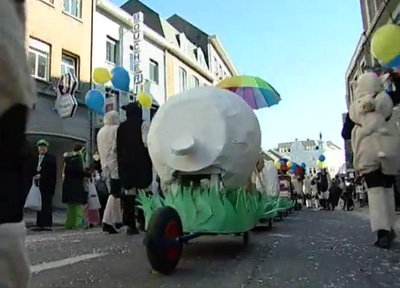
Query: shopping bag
x=34, y=199
x=93, y=198
x=113, y=211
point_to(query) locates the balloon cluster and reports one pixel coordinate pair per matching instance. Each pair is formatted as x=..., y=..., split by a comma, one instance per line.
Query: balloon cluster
x=120, y=79
x=291, y=167
x=321, y=160
x=385, y=45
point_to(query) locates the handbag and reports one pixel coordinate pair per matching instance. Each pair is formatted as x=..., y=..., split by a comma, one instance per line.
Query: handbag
x=34, y=199
x=93, y=199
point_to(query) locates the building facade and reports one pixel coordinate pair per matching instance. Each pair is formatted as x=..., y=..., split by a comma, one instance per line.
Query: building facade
x=59, y=40
x=375, y=13
x=308, y=152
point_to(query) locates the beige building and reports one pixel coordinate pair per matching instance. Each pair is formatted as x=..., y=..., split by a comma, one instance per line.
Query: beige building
x=59, y=36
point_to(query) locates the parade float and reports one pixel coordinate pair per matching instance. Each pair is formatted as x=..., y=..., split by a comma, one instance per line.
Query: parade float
x=204, y=144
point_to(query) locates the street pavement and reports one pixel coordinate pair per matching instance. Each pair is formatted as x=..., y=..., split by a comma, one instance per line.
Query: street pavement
x=313, y=249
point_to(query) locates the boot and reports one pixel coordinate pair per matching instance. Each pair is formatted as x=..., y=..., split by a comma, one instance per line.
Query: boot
x=14, y=268
x=384, y=239
x=109, y=228
x=132, y=230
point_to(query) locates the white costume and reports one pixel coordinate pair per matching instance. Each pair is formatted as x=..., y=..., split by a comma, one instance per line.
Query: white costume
x=16, y=87
x=266, y=180
x=375, y=145
x=308, y=191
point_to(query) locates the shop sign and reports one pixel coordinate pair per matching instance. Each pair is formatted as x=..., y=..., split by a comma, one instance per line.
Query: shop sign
x=66, y=104
x=138, y=38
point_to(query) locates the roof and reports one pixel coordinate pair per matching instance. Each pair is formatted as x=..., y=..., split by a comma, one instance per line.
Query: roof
x=193, y=34
x=151, y=18
x=305, y=143
x=172, y=35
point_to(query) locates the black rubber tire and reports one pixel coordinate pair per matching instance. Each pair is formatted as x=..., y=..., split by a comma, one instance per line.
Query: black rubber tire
x=270, y=223
x=158, y=256
x=246, y=238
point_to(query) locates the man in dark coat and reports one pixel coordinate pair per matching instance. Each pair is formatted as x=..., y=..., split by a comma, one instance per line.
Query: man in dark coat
x=134, y=163
x=45, y=175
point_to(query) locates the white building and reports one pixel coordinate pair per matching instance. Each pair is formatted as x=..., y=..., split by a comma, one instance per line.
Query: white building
x=156, y=51
x=308, y=152
x=114, y=45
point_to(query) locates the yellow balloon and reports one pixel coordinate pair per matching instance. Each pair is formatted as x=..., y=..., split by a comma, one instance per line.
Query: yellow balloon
x=101, y=75
x=289, y=164
x=144, y=99
x=320, y=164
x=385, y=43
x=278, y=165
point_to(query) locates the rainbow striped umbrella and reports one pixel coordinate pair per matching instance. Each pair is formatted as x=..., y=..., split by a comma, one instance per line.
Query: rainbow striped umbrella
x=255, y=91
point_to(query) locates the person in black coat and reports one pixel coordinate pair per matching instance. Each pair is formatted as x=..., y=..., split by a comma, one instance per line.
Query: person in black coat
x=45, y=177
x=134, y=163
x=376, y=178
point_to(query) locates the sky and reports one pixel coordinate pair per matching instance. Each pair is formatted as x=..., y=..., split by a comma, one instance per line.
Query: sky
x=302, y=48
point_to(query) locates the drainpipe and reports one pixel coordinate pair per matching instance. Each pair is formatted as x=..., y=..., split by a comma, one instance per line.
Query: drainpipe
x=165, y=76
x=91, y=114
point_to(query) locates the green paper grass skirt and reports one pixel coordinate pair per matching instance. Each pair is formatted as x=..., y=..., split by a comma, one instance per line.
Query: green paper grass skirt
x=205, y=210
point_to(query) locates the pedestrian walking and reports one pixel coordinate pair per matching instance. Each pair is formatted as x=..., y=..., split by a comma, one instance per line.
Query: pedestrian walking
x=134, y=163
x=45, y=177
x=334, y=193
x=107, y=147
x=74, y=192
x=323, y=184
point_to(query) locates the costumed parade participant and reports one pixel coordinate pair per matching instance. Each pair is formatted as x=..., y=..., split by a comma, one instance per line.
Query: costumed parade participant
x=17, y=97
x=74, y=192
x=107, y=146
x=308, y=191
x=265, y=177
x=134, y=163
x=376, y=150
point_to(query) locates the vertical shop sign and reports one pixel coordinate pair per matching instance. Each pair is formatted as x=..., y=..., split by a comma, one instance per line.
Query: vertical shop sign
x=137, y=50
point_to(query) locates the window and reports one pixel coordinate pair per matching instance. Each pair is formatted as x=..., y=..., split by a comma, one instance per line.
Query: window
x=182, y=79
x=73, y=7
x=38, y=58
x=111, y=50
x=68, y=64
x=195, y=82
x=154, y=76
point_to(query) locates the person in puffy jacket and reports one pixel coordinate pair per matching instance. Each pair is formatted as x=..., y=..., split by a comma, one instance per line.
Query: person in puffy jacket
x=107, y=148
x=74, y=192
x=17, y=96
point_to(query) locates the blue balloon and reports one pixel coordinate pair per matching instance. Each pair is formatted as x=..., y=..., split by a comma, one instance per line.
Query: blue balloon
x=321, y=158
x=303, y=165
x=94, y=100
x=395, y=63
x=120, y=78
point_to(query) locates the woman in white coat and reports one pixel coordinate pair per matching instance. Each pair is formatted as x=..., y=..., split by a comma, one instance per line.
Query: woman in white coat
x=107, y=148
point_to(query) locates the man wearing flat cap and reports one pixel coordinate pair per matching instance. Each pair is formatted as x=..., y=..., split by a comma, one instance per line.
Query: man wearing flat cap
x=45, y=177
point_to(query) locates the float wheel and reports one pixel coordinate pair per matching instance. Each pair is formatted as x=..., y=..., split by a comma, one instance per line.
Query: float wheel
x=164, y=249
